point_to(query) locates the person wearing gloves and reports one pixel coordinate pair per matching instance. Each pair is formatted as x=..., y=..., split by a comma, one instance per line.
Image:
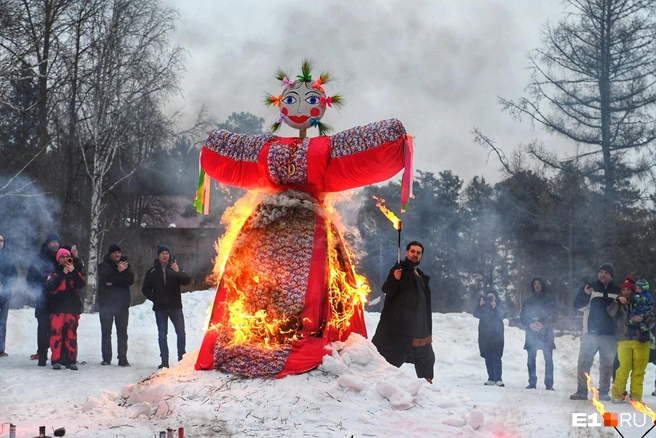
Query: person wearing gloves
x=114, y=280
x=162, y=286
x=65, y=308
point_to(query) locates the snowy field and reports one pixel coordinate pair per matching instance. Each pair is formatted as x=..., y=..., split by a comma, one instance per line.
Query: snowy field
x=355, y=393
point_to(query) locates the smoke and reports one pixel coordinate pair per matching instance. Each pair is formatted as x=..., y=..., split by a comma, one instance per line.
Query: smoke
x=438, y=66
x=27, y=215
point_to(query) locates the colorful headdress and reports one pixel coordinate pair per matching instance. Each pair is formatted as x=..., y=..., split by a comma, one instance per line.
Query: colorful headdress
x=303, y=101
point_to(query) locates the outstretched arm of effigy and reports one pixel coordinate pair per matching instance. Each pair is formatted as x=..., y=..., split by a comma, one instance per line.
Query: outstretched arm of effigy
x=366, y=155
x=232, y=159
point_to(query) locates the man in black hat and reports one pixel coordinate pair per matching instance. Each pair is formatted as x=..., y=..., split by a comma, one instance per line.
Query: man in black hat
x=43, y=264
x=114, y=280
x=162, y=286
x=598, y=335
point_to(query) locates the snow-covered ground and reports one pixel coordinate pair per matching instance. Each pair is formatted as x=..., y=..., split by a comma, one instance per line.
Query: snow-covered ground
x=354, y=393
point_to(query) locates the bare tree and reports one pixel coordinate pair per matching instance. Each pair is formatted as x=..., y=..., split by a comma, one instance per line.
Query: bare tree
x=593, y=81
x=133, y=69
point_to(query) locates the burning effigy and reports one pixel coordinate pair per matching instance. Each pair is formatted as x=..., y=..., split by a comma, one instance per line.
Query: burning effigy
x=286, y=284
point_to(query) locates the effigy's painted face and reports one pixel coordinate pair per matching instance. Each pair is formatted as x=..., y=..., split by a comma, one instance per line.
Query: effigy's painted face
x=300, y=104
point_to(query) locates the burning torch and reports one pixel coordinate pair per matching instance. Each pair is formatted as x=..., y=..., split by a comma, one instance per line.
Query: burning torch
x=398, y=224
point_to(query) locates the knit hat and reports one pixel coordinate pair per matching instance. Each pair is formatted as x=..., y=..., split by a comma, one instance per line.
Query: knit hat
x=163, y=248
x=608, y=268
x=52, y=237
x=63, y=252
x=113, y=248
x=629, y=283
x=643, y=285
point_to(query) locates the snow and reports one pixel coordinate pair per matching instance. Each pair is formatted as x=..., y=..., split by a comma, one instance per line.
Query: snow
x=353, y=393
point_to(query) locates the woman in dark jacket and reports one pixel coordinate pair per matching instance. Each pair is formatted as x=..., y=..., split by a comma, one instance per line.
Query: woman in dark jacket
x=539, y=315
x=490, y=313
x=65, y=307
x=8, y=276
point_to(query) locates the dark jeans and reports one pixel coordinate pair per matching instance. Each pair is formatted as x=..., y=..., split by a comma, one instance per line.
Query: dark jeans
x=548, y=367
x=177, y=318
x=493, y=365
x=43, y=335
x=108, y=316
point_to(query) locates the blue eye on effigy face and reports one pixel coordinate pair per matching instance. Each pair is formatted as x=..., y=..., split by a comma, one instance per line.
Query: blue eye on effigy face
x=312, y=100
x=289, y=100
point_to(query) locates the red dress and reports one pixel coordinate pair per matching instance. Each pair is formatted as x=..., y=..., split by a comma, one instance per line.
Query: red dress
x=288, y=287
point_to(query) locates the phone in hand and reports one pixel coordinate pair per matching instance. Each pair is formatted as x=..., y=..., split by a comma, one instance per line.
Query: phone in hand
x=124, y=258
x=172, y=259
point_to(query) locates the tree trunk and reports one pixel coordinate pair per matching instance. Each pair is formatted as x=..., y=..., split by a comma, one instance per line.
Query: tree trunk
x=94, y=241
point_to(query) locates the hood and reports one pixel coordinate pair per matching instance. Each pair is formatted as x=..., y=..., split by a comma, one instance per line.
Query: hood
x=544, y=285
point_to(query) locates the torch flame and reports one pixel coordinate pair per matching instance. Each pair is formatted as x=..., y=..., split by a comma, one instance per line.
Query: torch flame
x=398, y=224
x=641, y=407
x=595, y=395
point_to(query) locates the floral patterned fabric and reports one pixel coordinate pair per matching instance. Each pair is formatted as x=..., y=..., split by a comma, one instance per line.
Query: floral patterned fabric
x=281, y=156
x=362, y=138
x=239, y=147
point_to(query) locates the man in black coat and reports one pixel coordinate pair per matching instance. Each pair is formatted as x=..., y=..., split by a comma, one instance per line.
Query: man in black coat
x=42, y=265
x=162, y=287
x=114, y=280
x=404, y=333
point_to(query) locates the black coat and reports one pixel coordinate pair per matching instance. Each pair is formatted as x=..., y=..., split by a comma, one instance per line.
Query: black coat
x=540, y=307
x=42, y=265
x=64, y=291
x=399, y=314
x=8, y=275
x=490, y=329
x=164, y=296
x=117, y=296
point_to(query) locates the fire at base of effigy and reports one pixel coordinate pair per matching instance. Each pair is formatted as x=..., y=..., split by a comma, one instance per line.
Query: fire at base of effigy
x=288, y=285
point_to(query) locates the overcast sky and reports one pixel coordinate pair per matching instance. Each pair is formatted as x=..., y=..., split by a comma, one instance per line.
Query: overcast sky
x=437, y=65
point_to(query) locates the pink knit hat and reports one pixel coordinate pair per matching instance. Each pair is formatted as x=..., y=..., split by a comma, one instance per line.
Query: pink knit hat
x=63, y=252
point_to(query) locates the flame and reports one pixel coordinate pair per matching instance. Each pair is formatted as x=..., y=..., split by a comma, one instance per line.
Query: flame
x=398, y=224
x=253, y=317
x=641, y=407
x=347, y=289
x=595, y=396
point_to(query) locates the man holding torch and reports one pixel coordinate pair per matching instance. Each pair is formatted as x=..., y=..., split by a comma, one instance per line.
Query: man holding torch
x=404, y=333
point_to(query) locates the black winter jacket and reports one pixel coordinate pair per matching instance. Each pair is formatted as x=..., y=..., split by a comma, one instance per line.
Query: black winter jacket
x=64, y=291
x=540, y=307
x=116, y=296
x=594, y=307
x=402, y=302
x=164, y=296
x=490, y=328
x=42, y=265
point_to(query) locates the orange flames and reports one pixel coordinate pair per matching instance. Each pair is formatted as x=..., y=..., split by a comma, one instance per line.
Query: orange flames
x=641, y=407
x=254, y=318
x=595, y=396
x=398, y=224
